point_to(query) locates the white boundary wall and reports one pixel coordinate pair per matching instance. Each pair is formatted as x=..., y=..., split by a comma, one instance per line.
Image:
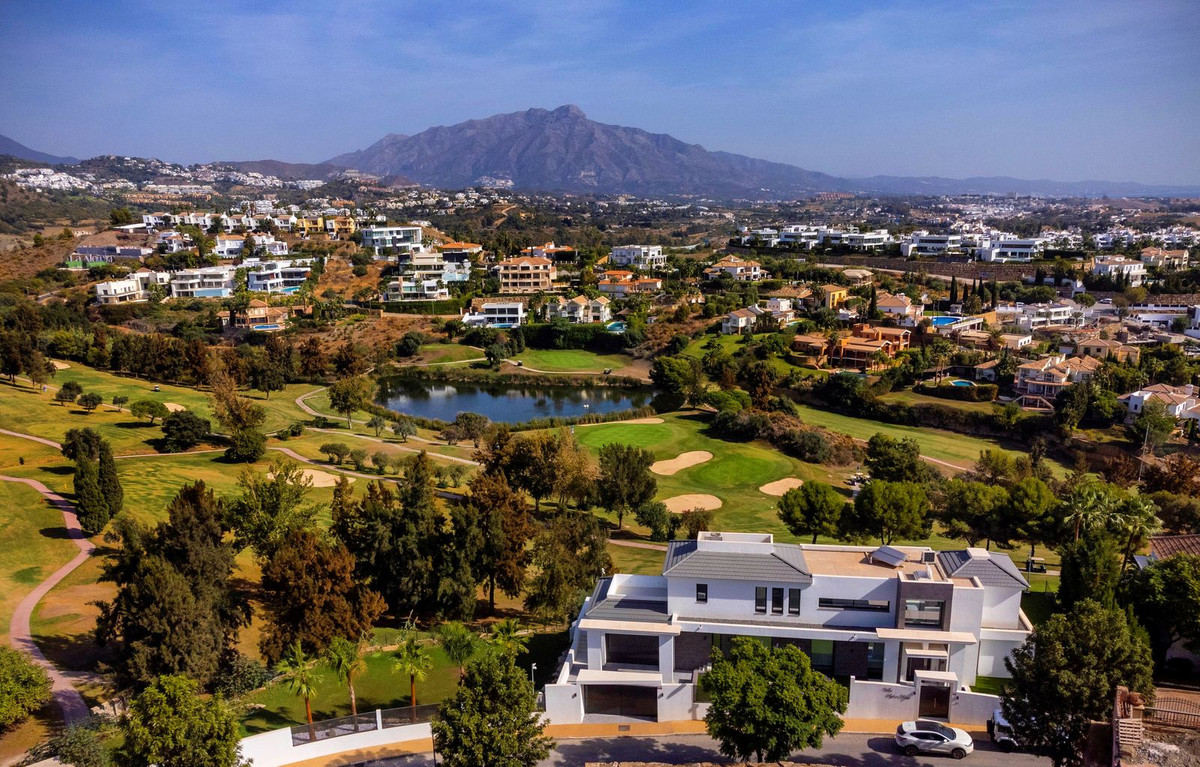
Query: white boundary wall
x=275, y=749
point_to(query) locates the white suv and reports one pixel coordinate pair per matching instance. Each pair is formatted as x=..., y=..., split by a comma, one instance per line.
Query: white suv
x=927, y=737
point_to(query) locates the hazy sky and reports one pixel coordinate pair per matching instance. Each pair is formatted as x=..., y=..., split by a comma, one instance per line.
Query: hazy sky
x=1039, y=89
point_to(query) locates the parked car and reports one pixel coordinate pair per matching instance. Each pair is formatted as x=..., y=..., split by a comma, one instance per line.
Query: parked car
x=1002, y=732
x=927, y=737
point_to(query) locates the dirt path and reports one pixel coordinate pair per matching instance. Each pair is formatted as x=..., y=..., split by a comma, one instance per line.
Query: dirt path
x=447, y=494
x=69, y=701
x=636, y=544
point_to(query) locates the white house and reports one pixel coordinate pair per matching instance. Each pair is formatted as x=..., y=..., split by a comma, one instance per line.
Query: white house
x=1180, y=401
x=400, y=239
x=1117, y=267
x=740, y=320
x=579, y=309
x=415, y=289
x=205, y=282
x=496, y=313
x=647, y=257
x=908, y=629
x=277, y=276
x=1012, y=249
x=740, y=269
x=135, y=288
x=925, y=244
x=900, y=307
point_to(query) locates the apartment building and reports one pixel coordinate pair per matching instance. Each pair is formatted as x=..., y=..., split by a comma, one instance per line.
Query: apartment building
x=645, y=257
x=277, y=276
x=1012, y=250
x=869, y=346
x=526, y=274
x=579, y=310
x=907, y=628
x=1118, y=268
x=1167, y=260
x=1064, y=314
x=415, y=289
x=393, y=239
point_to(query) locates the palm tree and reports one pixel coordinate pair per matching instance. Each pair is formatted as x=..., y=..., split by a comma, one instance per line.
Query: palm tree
x=414, y=660
x=295, y=664
x=1138, y=522
x=458, y=642
x=347, y=660
x=1088, y=507
x=506, y=636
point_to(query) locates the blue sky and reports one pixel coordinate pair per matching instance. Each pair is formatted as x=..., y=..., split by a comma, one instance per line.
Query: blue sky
x=1061, y=90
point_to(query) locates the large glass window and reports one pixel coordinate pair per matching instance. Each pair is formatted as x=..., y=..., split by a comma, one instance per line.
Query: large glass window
x=631, y=649
x=875, y=655
x=777, y=601
x=822, y=656
x=760, y=599
x=869, y=605
x=924, y=612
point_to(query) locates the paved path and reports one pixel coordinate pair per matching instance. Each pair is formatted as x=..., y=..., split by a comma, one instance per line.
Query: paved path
x=636, y=544
x=73, y=707
x=456, y=459
x=43, y=440
x=300, y=403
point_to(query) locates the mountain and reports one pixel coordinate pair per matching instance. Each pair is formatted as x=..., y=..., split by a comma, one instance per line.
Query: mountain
x=288, y=171
x=562, y=150
x=15, y=149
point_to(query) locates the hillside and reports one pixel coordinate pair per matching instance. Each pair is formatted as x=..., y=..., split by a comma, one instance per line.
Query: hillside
x=288, y=171
x=14, y=148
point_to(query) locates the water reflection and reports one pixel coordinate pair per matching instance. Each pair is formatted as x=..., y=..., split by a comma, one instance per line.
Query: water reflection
x=505, y=403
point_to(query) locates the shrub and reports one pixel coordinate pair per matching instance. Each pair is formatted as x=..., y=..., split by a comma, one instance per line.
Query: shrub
x=183, y=430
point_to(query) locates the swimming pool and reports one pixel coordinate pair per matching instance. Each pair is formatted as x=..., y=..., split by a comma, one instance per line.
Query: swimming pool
x=940, y=321
x=615, y=327
x=962, y=383
x=265, y=327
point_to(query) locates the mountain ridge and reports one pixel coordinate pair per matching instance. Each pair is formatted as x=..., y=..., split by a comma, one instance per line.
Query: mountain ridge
x=14, y=148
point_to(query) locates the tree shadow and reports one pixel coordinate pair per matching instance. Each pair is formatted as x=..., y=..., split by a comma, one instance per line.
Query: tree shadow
x=640, y=749
x=77, y=652
x=56, y=533
x=135, y=425
x=60, y=470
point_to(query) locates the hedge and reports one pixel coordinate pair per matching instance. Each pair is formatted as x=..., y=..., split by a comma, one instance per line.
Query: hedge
x=446, y=306
x=976, y=393
x=592, y=337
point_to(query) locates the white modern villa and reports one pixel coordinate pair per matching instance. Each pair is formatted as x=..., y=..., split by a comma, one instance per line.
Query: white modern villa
x=908, y=629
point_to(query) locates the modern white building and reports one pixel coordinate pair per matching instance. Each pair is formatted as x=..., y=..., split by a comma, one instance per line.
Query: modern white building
x=496, y=313
x=1011, y=249
x=400, y=239
x=926, y=244
x=205, y=282
x=277, y=276
x=646, y=257
x=908, y=629
x=1064, y=313
x=136, y=288
x=1119, y=268
x=414, y=289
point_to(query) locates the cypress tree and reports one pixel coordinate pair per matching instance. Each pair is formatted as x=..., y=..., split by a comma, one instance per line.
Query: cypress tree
x=90, y=505
x=954, y=290
x=110, y=483
x=995, y=293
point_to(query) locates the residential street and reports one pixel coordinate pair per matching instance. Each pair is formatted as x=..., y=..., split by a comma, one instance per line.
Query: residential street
x=851, y=750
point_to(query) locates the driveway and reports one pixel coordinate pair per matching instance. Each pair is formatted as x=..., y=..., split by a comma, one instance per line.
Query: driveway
x=849, y=750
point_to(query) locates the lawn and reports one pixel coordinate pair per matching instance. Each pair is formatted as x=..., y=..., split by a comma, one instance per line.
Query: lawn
x=437, y=354
x=909, y=397
x=734, y=474
x=573, y=360
x=380, y=686
x=636, y=561
x=33, y=544
x=959, y=449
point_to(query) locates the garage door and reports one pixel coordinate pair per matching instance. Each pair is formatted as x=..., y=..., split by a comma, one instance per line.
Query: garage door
x=619, y=700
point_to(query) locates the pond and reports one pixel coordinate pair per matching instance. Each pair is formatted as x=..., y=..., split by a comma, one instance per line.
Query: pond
x=505, y=403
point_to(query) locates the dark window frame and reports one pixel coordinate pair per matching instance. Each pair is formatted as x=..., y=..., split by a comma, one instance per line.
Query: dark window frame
x=793, y=602
x=702, y=593
x=863, y=605
x=776, y=601
x=760, y=599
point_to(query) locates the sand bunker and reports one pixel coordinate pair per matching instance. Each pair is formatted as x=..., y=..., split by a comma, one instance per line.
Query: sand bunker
x=780, y=486
x=60, y=365
x=174, y=407
x=630, y=421
x=323, y=478
x=680, y=462
x=682, y=503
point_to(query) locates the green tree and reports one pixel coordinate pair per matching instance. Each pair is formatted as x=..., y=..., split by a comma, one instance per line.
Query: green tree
x=492, y=720
x=625, y=481
x=413, y=660
x=495, y=353
x=507, y=637
x=896, y=460
x=813, y=509
x=472, y=426
x=769, y=702
x=377, y=423
x=183, y=430
x=458, y=642
x=149, y=408
x=24, y=687
x=336, y=451
x=348, y=660
x=680, y=378
x=974, y=511
x=1166, y=598
x=569, y=555
x=110, y=482
x=505, y=528
x=90, y=401
x=404, y=428
x=297, y=667
x=82, y=443
x=171, y=725
x=656, y=516
x=1091, y=569
x=887, y=511
x=90, y=502
x=1153, y=426
x=68, y=392
x=1066, y=674
x=349, y=394
x=1035, y=507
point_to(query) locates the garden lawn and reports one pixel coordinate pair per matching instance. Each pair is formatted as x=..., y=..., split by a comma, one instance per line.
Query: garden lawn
x=25, y=410
x=573, y=360
x=636, y=561
x=909, y=397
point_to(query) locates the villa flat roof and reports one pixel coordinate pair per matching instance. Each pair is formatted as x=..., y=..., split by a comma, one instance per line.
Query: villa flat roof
x=858, y=563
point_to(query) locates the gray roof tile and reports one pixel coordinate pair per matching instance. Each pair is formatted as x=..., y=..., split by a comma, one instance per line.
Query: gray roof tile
x=996, y=570
x=784, y=565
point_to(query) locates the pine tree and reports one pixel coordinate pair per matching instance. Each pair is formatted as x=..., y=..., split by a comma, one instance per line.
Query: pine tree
x=110, y=483
x=90, y=504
